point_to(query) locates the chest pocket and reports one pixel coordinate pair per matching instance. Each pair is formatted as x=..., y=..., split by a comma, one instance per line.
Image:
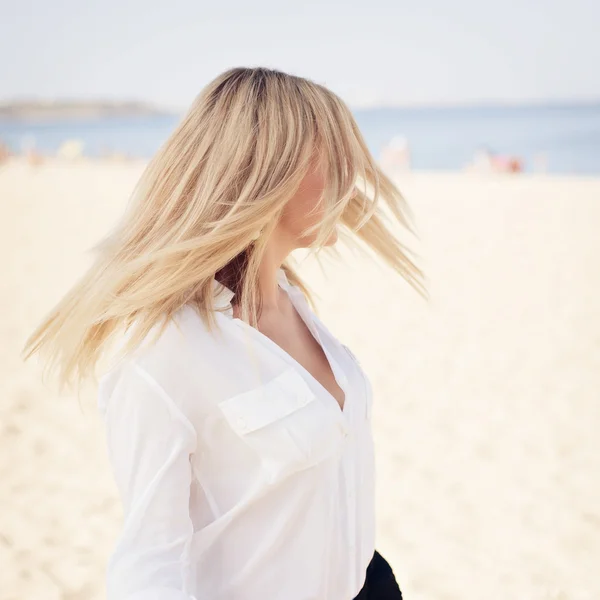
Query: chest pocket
x=285, y=424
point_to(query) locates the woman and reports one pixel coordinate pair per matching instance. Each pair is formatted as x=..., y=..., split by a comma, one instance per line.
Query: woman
x=238, y=426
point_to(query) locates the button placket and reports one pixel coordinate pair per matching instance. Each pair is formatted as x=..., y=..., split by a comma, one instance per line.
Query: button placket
x=344, y=427
x=351, y=500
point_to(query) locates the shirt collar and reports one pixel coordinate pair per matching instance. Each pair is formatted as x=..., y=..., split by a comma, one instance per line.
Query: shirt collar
x=223, y=295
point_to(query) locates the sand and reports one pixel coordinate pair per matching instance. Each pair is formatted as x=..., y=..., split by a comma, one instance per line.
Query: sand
x=487, y=398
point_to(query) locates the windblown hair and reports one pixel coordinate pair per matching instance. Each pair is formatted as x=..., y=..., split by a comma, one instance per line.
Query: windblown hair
x=206, y=205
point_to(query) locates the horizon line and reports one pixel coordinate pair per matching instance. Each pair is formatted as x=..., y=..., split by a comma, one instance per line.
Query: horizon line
x=360, y=107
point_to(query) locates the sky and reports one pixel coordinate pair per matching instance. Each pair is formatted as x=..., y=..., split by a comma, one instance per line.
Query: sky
x=374, y=53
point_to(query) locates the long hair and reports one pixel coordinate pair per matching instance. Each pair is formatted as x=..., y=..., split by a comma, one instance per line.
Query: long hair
x=204, y=209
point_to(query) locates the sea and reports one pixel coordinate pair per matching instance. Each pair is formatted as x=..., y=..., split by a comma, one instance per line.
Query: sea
x=561, y=139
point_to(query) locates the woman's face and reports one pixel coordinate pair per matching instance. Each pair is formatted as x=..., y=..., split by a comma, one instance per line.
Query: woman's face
x=303, y=209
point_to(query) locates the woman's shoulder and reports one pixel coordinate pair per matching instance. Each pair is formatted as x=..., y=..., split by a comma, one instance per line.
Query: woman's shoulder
x=183, y=357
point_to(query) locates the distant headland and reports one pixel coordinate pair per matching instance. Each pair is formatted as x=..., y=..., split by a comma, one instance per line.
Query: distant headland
x=76, y=109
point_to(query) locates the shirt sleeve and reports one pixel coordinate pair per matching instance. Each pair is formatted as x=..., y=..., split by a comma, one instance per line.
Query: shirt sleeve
x=149, y=442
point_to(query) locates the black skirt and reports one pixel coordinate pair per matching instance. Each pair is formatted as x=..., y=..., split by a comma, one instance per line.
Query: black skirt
x=380, y=582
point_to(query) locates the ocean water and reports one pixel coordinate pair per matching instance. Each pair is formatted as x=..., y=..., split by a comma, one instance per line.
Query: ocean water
x=566, y=139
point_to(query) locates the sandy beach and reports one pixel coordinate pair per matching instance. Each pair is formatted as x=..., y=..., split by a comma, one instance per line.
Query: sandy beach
x=487, y=398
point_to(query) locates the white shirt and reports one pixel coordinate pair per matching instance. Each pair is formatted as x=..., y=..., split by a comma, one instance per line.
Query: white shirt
x=241, y=477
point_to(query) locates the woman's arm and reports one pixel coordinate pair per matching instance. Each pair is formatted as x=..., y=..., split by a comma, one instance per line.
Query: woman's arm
x=149, y=444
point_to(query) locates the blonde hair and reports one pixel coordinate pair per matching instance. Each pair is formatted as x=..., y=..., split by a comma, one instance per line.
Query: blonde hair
x=209, y=200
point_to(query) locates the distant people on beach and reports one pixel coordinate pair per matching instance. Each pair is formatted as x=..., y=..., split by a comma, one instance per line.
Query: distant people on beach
x=485, y=161
x=29, y=150
x=70, y=150
x=34, y=158
x=395, y=156
x=5, y=152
